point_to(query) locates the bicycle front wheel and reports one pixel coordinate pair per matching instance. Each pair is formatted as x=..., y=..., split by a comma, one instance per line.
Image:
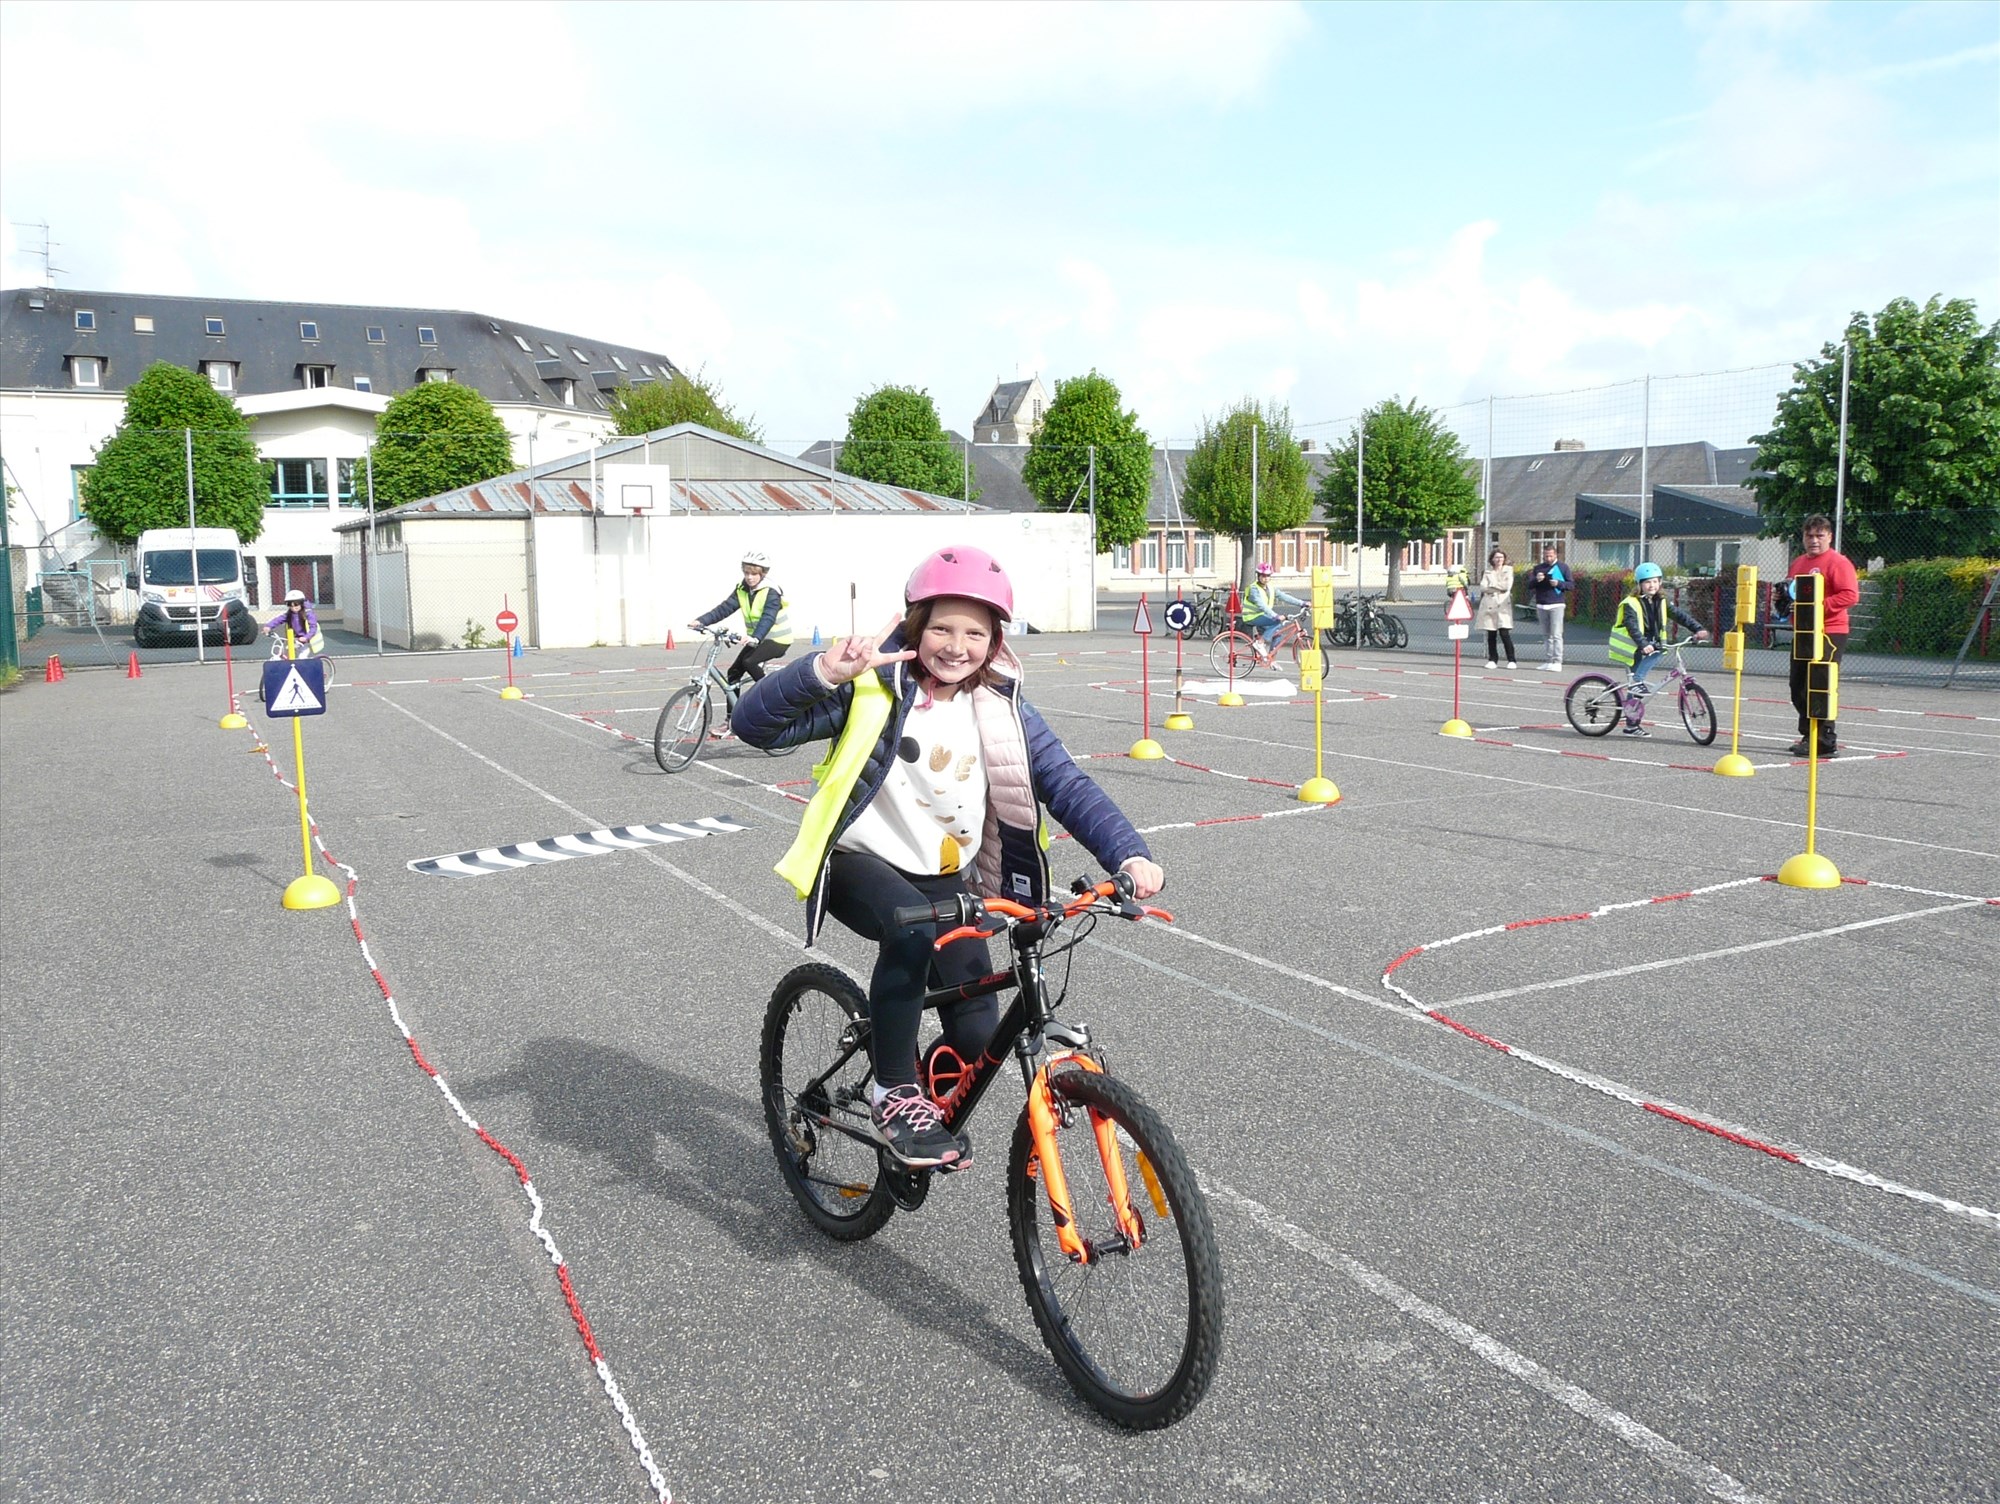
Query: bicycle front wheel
x=1400, y=632
x=1232, y=655
x=1378, y=633
x=817, y=1016
x=1593, y=705
x=682, y=728
x=1697, y=713
x=1341, y=633
x=1136, y=1329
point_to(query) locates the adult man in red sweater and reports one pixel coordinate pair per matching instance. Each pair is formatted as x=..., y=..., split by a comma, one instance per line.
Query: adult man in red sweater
x=1841, y=588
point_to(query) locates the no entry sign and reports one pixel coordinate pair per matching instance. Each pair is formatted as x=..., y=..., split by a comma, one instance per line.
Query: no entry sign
x=506, y=621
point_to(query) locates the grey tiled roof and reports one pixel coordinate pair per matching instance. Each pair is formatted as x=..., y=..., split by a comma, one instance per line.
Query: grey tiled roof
x=1537, y=489
x=264, y=341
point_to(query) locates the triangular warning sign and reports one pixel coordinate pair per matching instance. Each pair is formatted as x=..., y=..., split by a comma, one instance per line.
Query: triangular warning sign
x=294, y=698
x=1460, y=608
x=1142, y=620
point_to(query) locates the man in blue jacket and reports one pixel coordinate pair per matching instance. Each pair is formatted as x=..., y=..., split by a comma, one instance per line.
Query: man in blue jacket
x=1548, y=585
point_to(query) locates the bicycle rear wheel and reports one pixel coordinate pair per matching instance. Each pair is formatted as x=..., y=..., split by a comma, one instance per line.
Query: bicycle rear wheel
x=1697, y=713
x=1136, y=1330
x=1593, y=705
x=1232, y=655
x=1400, y=632
x=815, y=1016
x=682, y=728
x=1378, y=633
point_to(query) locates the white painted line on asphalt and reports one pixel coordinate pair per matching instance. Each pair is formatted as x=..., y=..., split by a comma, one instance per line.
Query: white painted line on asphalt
x=1708, y=955
x=1650, y=1444
x=1585, y=1136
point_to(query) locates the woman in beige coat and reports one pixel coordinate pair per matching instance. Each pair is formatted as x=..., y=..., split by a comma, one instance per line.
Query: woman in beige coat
x=1495, y=616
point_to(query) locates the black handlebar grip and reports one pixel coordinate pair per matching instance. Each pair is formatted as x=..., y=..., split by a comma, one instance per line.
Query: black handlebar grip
x=922, y=913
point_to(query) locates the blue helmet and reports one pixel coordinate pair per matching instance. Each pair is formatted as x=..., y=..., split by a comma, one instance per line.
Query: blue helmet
x=1645, y=572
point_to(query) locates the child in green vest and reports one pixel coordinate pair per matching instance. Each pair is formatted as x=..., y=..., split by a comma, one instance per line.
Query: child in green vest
x=1638, y=636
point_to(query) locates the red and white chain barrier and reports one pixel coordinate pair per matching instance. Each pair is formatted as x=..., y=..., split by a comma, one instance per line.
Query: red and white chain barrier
x=1733, y=1132
x=658, y=1483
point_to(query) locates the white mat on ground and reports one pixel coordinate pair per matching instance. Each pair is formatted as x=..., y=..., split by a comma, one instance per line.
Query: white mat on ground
x=1248, y=688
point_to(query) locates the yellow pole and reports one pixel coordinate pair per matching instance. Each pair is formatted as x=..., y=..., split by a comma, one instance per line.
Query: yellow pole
x=310, y=890
x=1812, y=783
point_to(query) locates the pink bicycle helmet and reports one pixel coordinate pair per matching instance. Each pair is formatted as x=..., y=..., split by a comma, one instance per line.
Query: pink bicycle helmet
x=1264, y=569
x=971, y=573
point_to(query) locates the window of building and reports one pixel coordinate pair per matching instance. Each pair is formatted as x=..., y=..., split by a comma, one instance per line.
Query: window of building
x=1533, y=466
x=581, y=358
x=76, y=475
x=344, y=479
x=524, y=344
x=1288, y=553
x=85, y=319
x=308, y=329
x=566, y=390
x=1623, y=461
x=221, y=374
x=313, y=576
x=297, y=484
x=315, y=376
x=426, y=335
x=213, y=326
x=1461, y=543
x=1537, y=541
x=1618, y=555
x=364, y=384
x=1204, y=552
x=377, y=335
x=1177, y=552
x=554, y=353
x=618, y=363
x=645, y=369
x=142, y=323
x=1121, y=556
x=86, y=370
x=1149, y=554
x=434, y=373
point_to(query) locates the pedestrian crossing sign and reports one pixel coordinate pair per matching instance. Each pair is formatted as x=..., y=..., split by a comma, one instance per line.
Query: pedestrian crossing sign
x=295, y=687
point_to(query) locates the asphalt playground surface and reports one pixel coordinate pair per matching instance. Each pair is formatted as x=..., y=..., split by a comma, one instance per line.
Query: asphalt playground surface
x=1718, y=1223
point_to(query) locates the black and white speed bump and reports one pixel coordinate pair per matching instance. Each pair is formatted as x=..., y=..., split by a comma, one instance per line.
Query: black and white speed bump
x=583, y=843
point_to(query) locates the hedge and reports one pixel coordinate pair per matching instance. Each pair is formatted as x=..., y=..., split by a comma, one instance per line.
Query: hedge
x=1925, y=606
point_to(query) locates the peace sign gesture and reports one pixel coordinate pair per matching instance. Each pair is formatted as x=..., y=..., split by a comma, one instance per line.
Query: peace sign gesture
x=851, y=657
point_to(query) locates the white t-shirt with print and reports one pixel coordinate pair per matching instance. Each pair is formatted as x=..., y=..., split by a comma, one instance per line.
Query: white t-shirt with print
x=929, y=814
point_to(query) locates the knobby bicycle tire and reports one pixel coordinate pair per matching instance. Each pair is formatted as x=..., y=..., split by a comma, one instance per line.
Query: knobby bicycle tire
x=835, y=1179
x=1232, y=646
x=1402, y=633
x=682, y=729
x=1697, y=713
x=1593, y=705
x=1137, y=1331
x=1378, y=633
x=1342, y=630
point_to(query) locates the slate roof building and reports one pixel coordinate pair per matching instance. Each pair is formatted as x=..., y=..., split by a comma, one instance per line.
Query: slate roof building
x=1013, y=412
x=312, y=376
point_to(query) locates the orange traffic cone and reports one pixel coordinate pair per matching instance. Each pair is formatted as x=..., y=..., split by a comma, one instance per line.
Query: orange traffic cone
x=670, y=639
x=132, y=668
x=52, y=671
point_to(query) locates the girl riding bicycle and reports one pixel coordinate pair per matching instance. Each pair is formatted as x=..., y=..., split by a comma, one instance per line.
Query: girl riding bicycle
x=1638, y=636
x=304, y=622
x=939, y=772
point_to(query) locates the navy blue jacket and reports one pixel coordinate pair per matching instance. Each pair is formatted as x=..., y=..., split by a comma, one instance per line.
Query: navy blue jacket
x=1546, y=590
x=792, y=706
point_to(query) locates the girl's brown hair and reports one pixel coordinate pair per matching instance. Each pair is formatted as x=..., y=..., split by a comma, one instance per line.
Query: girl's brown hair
x=917, y=617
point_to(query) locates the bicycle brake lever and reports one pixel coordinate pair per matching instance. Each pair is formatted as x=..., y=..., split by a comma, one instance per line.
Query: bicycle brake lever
x=963, y=932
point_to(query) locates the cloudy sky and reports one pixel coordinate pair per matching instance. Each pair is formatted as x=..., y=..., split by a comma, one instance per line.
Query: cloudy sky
x=1321, y=205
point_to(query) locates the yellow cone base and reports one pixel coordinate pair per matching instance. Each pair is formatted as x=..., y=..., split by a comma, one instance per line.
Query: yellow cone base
x=510, y=693
x=1230, y=697
x=1809, y=870
x=1455, y=727
x=1180, y=720
x=1147, y=750
x=311, y=892
x=1318, y=791
x=1736, y=765
x=232, y=722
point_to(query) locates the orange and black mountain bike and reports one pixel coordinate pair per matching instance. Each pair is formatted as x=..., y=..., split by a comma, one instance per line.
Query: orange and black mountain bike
x=1111, y=1232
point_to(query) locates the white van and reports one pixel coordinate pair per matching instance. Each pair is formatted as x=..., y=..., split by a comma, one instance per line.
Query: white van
x=191, y=580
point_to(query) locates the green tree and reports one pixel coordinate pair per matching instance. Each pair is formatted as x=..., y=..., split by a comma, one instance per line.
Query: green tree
x=1923, y=436
x=434, y=438
x=1418, y=477
x=1089, y=412
x=894, y=436
x=1219, y=475
x=140, y=478
x=682, y=399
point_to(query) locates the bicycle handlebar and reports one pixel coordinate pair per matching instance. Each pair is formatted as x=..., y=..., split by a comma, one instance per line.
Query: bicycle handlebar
x=964, y=910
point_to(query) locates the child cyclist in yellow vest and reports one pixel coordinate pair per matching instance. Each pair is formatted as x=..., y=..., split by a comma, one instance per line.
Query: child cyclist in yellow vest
x=764, y=620
x=935, y=786
x=1639, y=634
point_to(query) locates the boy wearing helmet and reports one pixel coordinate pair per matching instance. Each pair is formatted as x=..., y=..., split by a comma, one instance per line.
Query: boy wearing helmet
x=936, y=785
x=1639, y=633
x=764, y=619
x=1260, y=609
x=304, y=622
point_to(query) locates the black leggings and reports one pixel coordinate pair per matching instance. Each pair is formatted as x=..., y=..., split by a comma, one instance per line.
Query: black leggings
x=1828, y=733
x=1506, y=637
x=754, y=656
x=861, y=891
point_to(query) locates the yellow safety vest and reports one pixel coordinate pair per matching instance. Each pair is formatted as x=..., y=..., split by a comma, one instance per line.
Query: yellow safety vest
x=752, y=607
x=867, y=714
x=1623, y=646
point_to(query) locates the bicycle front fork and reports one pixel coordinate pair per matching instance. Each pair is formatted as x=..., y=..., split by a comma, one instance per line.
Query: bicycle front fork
x=1042, y=1116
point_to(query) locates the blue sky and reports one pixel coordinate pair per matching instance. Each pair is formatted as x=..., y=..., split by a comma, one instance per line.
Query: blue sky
x=1322, y=205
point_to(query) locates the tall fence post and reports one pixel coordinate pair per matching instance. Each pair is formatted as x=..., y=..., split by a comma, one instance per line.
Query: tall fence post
x=1840, y=449
x=194, y=555
x=1645, y=444
x=375, y=546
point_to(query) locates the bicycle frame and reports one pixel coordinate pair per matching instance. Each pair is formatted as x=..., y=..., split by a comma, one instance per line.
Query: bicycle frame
x=1027, y=1029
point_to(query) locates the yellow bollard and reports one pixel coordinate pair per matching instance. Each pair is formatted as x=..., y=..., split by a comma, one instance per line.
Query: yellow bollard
x=1318, y=789
x=1809, y=869
x=1733, y=764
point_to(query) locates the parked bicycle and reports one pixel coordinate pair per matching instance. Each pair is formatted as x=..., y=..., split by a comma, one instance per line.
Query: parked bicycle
x=699, y=708
x=1361, y=618
x=1111, y=1233
x=1595, y=704
x=1211, y=611
x=1239, y=653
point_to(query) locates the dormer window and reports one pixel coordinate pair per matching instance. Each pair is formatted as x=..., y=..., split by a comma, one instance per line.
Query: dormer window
x=426, y=335
x=86, y=370
x=221, y=374
x=565, y=389
x=363, y=384
x=308, y=329
x=212, y=326
x=434, y=373
x=315, y=376
x=85, y=319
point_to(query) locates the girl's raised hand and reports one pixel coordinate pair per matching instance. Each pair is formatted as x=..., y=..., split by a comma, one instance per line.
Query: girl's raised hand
x=851, y=657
